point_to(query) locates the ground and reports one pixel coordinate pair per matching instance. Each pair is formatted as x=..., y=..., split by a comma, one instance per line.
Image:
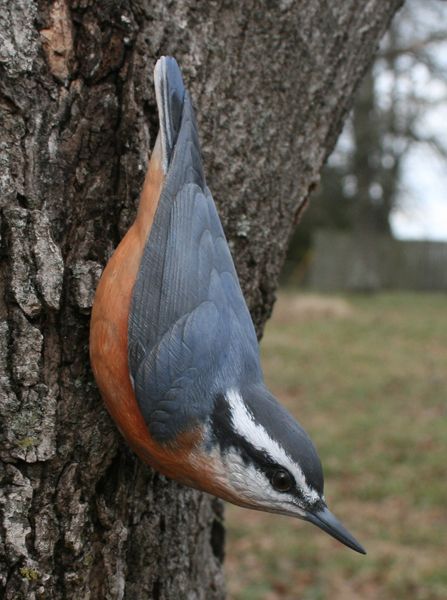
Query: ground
x=367, y=378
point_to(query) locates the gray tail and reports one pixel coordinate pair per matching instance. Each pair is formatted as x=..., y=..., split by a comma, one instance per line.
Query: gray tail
x=170, y=94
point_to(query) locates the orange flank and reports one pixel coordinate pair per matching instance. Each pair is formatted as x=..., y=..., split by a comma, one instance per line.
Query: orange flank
x=182, y=459
x=108, y=336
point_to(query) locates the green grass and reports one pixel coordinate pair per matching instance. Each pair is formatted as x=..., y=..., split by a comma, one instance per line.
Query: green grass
x=367, y=378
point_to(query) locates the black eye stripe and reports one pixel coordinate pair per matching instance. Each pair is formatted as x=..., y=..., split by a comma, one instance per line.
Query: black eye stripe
x=229, y=439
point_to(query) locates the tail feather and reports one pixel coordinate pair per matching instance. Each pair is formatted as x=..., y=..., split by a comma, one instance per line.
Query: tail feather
x=170, y=94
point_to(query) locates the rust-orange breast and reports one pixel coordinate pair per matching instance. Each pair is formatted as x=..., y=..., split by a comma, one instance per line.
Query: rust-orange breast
x=109, y=326
x=182, y=460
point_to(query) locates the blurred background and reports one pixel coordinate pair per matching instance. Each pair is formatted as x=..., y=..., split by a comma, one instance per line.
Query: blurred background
x=357, y=345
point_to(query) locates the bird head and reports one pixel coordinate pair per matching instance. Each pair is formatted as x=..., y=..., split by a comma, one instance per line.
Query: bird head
x=268, y=462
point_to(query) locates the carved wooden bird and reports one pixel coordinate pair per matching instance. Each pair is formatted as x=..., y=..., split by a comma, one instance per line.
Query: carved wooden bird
x=174, y=350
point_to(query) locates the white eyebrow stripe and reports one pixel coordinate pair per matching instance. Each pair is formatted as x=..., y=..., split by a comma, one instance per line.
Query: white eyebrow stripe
x=253, y=486
x=245, y=425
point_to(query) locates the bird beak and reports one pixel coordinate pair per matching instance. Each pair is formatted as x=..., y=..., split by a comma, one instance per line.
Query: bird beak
x=326, y=521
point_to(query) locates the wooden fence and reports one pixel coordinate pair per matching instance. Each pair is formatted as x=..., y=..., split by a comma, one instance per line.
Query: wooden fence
x=341, y=261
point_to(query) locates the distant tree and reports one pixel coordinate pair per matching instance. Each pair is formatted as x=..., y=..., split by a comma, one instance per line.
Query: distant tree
x=362, y=183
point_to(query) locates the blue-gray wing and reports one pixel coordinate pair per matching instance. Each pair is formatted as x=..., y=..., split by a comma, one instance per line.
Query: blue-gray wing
x=190, y=332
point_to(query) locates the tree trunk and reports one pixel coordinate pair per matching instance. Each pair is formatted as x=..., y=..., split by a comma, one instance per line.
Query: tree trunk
x=81, y=517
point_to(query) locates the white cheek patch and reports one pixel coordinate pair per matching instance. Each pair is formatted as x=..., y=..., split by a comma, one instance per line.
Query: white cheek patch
x=253, y=487
x=245, y=425
x=248, y=481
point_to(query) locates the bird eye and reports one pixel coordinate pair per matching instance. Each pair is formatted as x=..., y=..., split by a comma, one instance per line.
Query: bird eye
x=282, y=481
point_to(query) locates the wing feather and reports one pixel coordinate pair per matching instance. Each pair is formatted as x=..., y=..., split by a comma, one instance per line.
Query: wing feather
x=190, y=332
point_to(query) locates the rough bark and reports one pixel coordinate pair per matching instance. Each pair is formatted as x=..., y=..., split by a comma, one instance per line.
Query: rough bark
x=80, y=516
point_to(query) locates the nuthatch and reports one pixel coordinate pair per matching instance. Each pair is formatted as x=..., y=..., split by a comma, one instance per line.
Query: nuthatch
x=174, y=350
